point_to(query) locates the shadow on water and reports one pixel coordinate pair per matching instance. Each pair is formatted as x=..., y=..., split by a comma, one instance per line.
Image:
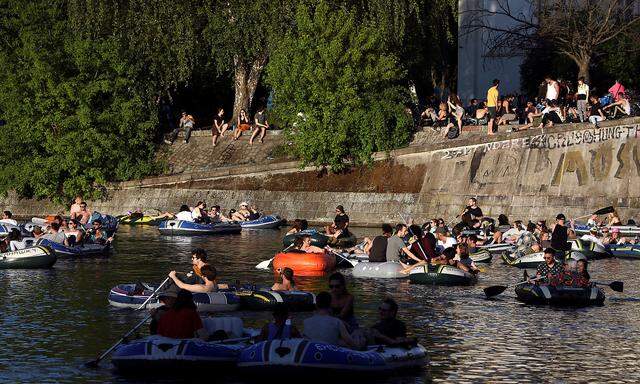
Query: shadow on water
x=51, y=322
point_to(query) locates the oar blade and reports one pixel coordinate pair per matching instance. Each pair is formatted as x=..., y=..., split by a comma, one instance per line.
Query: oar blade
x=91, y=364
x=264, y=264
x=605, y=210
x=617, y=286
x=494, y=290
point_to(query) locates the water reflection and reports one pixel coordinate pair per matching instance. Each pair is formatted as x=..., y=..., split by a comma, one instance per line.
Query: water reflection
x=51, y=322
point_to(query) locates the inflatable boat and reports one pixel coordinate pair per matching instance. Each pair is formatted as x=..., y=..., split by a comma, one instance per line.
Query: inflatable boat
x=264, y=299
x=181, y=227
x=305, y=264
x=84, y=250
x=591, y=249
x=29, y=258
x=441, y=275
x=307, y=358
x=264, y=222
x=184, y=357
x=139, y=220
x=625, y=251
x=530, y=261
x=109, y=223
x=560, y=295
x=625, y=230
x=6, y=228
x=386, y=270
x=321, y=240
x=498, y=248
x=134, y=295
x=481, y=256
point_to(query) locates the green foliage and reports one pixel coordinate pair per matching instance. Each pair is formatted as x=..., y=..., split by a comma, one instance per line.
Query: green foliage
x=75, y=116
x=336, y=88
x=621, y=60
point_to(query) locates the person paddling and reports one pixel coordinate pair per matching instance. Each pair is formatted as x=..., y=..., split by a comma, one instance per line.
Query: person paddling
x=209, y=284
x=549, y=271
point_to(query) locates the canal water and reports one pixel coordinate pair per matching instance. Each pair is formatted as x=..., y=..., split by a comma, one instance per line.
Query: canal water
x=53, y=321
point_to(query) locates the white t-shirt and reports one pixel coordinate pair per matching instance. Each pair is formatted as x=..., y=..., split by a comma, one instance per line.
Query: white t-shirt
x=184, y=216
x=9, y=221
x=591, y=238
x=552, y=94
x=323, y=328
x=449, y=242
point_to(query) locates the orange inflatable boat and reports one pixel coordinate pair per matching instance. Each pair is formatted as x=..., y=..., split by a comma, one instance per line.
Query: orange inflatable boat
x=305, y=264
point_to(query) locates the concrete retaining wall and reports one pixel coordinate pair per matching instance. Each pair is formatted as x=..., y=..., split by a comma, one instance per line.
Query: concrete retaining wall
x=527, y=175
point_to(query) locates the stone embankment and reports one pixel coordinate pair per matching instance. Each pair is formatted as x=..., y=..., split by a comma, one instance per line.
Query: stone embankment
x=532, y=174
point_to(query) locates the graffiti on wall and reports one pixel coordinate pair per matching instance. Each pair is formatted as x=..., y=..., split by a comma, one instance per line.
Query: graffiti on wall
x=551, y=140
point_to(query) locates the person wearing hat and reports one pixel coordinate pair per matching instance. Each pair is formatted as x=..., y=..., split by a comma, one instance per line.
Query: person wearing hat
x=560, y=236
x=613, y=237
x=340, y=222
x=592, y=236
x=243, y=213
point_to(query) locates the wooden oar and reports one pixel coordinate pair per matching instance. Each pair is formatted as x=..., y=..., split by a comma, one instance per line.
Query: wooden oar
x=153, y=294
x=614, y=285
x=495, y=290
x=265, y=264
x=94, y=363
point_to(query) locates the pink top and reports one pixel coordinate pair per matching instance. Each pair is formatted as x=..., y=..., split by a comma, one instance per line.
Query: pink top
x=616, y=89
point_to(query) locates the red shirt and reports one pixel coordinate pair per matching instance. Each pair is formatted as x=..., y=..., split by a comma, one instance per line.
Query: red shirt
x=181, y=324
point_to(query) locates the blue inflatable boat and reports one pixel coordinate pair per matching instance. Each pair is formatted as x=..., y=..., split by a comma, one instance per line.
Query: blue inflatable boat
x=191, y=357
x=109, y=223
x=134, y=295
x=625, y=251
x=182, y=227
x=306, y=358
x=84, y=250
x=264, y=222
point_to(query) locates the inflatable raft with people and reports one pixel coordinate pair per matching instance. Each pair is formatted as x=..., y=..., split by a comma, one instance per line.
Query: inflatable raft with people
x=264, y=222
x=183, y=227
x=384, y=270
x=263, y=299
x=625, y=251
x=321, y=240
x=307, y=358
x=304, y=263
x=82, y=250
x=28, y=258
x=441, y=275
x=135, y=294
x=559, y=295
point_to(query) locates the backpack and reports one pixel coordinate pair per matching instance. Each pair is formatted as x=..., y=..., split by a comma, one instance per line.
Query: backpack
x=453, y=132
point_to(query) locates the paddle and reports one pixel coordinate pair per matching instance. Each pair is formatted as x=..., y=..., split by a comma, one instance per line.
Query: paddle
x=340, y=256
x=153, y=294
x=265, y=264
x=94, y=363
x=615, y=285
x=495, y=290
x=601, y=211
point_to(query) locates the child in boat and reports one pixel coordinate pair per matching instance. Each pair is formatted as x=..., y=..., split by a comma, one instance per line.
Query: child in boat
x=281, y=327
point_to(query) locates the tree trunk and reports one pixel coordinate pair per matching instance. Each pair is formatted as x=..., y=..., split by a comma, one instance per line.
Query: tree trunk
x=583, y=63
x=246, y=80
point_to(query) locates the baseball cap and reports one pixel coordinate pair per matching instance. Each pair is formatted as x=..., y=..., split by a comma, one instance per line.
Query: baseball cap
x=560, y=217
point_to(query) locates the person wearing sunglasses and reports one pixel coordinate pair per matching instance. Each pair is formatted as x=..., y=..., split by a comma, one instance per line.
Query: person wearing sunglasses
x=389, y=330
x=97, y=234
x=551, y=270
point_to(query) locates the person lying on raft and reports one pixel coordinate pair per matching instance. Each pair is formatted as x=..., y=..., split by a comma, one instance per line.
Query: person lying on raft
x=325, y=328
x=288, y=284
x=298, y=226
x=281, y=327
x=303, y=244
x=184, y=214
x=242, y=214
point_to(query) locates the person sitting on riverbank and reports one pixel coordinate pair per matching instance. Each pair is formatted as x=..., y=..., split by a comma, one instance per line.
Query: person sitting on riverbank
x=242, y=214
x=209, y=284
x=281, y=327
x=341, y=221
x=323, y=327
x=184, y=214
x=7, y=218
x=550, y=270
x=182, y=320
x=260, y=125
x=288, y=283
